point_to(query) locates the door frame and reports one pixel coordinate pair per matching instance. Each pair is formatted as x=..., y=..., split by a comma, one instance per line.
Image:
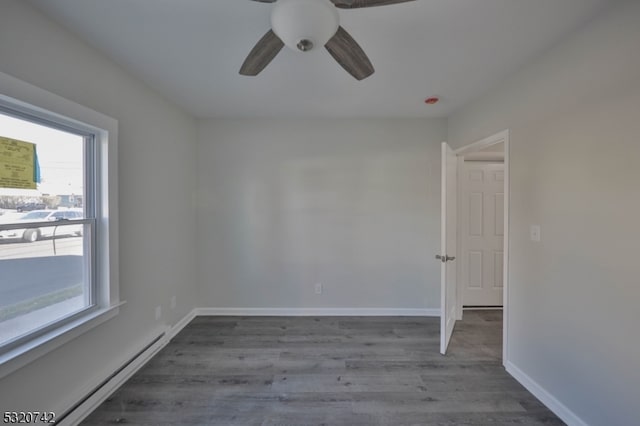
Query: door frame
x=501, y=137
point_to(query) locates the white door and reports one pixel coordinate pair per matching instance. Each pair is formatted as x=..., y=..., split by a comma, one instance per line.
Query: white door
x=481, y=219
x=448, y=246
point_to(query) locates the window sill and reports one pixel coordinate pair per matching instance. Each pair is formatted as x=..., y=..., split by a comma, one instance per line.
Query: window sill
x=34, y=349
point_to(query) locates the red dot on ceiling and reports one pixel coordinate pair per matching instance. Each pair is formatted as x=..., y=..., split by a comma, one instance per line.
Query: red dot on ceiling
x=431, y=101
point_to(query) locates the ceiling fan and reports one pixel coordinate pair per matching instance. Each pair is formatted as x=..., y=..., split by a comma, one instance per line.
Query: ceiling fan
x=302, y=25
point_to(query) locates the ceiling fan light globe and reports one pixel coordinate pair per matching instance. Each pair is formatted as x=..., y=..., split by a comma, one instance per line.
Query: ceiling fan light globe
x=295, y=21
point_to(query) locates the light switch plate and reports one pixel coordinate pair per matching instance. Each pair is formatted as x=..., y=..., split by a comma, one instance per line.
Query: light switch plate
x=535, y=233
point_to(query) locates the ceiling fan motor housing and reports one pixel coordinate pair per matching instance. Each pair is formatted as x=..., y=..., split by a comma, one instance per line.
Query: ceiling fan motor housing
x=304, y=24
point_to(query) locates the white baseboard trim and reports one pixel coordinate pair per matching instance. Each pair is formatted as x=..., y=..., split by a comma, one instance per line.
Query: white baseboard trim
x=301, y=312
x=180, y=325
x=558, y=408
x=135, y=363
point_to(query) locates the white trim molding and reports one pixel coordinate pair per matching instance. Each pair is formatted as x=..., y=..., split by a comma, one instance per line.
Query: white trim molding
x=558, y=408
x=320, y=312
x=24, y=99
x=173, y=331
x=21, y=356
x=499, y=137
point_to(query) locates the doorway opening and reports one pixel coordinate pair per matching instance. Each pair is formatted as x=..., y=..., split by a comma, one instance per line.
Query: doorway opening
x=475, y=231
x=480, y=226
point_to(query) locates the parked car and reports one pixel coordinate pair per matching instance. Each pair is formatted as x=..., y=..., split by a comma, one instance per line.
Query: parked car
x=27, y=207
x=48, y=216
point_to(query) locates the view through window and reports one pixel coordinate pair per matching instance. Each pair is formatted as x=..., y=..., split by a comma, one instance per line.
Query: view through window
x=46, y=233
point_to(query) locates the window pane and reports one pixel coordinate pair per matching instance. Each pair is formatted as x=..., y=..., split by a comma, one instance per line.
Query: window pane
x=43, y=281
x=45, y=272
x=62, y=172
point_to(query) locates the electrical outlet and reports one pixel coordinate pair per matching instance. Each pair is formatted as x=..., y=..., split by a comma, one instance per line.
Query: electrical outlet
x=318, y=288
x=158, y=312
x=172, y=302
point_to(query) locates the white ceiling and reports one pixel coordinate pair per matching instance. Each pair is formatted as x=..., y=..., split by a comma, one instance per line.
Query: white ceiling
x=191, y=51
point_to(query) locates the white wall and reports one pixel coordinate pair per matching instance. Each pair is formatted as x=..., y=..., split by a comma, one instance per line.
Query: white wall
x=574, y=117
x=353, y=204
x=157, y=181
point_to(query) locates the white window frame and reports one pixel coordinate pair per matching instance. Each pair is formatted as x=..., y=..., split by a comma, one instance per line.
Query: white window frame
x=25, y=98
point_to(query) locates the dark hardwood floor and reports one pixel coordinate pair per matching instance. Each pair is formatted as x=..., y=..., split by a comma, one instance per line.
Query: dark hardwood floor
x=327, y=371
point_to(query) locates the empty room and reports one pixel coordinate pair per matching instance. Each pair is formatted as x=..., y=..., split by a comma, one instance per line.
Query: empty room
x=319, y=212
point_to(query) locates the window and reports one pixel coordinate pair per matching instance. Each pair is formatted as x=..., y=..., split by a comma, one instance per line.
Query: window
x=57, y=223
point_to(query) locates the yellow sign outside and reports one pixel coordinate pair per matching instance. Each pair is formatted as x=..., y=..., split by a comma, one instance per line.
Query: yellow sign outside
x=17, y=164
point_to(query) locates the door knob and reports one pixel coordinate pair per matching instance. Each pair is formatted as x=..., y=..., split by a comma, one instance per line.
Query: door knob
x=445, y=258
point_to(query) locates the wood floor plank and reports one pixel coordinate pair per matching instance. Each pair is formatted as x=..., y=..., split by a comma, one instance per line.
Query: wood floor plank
x=352, y=371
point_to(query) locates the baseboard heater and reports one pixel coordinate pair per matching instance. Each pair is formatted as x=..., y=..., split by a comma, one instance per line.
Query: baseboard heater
x=68, y=417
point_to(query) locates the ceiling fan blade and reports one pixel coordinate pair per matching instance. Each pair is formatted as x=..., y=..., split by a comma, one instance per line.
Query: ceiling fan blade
x=262, y=54
x=355, y=4
x=349, y=55
x=266, y=1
